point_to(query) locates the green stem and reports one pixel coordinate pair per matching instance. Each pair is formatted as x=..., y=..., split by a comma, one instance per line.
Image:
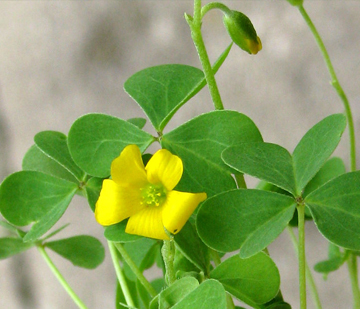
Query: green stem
x=309, y=276
x=120, y=275
x=168, y=253
x=352, y=267
x=215, y=5
x=301, y=255
x=336, y=85
x=60, y=278
x=139, y=275
x=352, y=262
x=195, y=27
x=216, y=257
x=240, y=180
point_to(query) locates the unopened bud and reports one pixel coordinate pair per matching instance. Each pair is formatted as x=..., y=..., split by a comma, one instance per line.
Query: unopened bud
x=242, y=31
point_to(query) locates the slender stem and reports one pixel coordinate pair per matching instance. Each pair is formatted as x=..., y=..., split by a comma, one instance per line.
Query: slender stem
x=215, y=5
x=127, y=259
x=336, y=85
x=301, y=255
x=240, y=180
x=309, y=276
x=168, y=253
x=195, y=27
x=216, y=257
x=352, y=261
x=120, y=275
x=352, y=267
x=60, y=278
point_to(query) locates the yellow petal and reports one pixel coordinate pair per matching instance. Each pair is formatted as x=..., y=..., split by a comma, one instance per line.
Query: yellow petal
x=128, y=168
x=166, y=168
x=148, y=223
x=178, y=208
x=116, y=203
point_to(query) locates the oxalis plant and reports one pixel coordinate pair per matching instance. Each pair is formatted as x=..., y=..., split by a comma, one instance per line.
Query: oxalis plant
x=187, y=205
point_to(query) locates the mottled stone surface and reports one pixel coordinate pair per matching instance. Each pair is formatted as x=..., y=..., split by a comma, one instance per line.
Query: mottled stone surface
x=62, y=59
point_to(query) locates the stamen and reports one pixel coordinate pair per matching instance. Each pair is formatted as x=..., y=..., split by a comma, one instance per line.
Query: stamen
x=153, y=194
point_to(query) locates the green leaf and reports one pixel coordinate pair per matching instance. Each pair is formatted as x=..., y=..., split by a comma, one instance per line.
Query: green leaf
x=265, y=161
x=116, y=232
x=30, y=196
x=316, y=147
x=161, y=89
x=174, y=293
x=336, y=212
x=200, y=142
x=54, y=144
x=255, y=280
x=95, y=140
x=11, y=246
x=139, y=122
x=93, y=188
x=209, y=294
x=332, y=168
x=335, y=259
x=191, y=246
x=246, y=219
x=83, y=251
x=36, y=160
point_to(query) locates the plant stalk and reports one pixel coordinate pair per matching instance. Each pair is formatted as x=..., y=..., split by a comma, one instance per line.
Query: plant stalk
x=353, y=272
x=60, y=278
x=309, y=277
x=301, y=255
x=168, y=253
x=120, y=275
x=336, y=84
x=195, y=27
x=352, y=261
x=139, y=275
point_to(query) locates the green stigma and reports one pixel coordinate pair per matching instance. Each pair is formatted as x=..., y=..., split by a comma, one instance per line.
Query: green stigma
x=153, y=195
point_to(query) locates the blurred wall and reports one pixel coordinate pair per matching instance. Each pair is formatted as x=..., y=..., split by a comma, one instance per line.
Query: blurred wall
x=62, y=59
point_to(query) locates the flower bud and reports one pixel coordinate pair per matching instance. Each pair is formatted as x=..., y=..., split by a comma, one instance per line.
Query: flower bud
x=242, y=31
x=296, y=2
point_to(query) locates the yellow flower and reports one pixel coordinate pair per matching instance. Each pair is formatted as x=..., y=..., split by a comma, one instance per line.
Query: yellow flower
x=146, y=195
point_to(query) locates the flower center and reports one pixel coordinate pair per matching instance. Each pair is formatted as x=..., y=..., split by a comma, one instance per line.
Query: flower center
x=153, y=195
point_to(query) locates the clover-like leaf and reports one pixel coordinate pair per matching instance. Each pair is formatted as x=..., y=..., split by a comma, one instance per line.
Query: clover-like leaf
x=10, y=246
x=174, y=293
x=254, y=280
x=265, y=161
x=54, y=144
x=336, y=212
x=83, y=251
x=248, y=220
x=30, y=196
x=37, y=160
x=162, y=90
x=316, y=147
x=200, y=142
x=95, y=140
x=209, y=294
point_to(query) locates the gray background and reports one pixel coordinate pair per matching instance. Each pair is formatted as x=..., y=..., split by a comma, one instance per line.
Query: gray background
x=62, y=59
